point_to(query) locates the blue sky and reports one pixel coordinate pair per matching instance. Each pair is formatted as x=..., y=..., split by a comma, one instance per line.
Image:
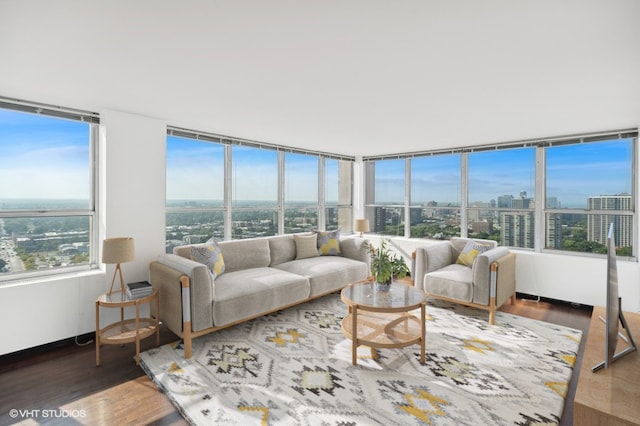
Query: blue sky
x=43, y=157
x=574, y=172
x=195, y=170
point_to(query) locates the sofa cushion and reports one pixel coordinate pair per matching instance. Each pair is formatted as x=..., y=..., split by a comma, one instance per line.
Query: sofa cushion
x=327, y=273
x=470, y=251
x=282, y=248
x=248, y=292
x=329, y=243
x=453, y=281
x=209, y=254
x=306, y=246
x=245, y=254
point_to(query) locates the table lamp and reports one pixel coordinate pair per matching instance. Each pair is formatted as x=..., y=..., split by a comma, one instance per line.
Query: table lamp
x=362, y=225
x=117, y=250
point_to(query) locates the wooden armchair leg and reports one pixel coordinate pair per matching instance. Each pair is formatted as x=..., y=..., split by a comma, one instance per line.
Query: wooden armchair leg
x=492, y=310
x=513, y=299
x=187, y=341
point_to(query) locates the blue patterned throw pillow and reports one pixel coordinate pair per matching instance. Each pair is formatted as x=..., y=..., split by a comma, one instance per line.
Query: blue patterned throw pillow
x=210, y=255
x=329, y=243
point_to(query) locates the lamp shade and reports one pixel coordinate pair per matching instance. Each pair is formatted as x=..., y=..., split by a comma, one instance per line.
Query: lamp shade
x=362, y=225
x=118, y=250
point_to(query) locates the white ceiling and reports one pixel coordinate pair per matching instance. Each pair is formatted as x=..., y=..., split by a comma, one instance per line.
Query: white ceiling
x=359, y=77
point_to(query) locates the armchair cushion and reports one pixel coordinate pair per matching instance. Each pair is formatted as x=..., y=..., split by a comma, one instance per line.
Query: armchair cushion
x=452, y=281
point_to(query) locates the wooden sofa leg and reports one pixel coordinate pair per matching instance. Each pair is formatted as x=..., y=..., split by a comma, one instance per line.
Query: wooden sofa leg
x=186, y=316
x=188, y=341
x=492, y=310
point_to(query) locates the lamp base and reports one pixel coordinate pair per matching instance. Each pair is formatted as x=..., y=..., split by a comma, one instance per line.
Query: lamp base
x=118, y=269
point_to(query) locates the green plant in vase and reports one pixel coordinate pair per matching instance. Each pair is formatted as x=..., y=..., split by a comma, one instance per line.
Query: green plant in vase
x=400, y=268
x=383, y=263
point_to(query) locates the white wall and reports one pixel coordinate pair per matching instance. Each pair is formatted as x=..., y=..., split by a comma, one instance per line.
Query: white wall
x=133, y=191
x=132, y=188
x=576, y=278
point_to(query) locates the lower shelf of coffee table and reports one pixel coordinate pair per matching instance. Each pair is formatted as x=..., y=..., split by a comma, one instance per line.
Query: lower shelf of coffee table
x=383, y=330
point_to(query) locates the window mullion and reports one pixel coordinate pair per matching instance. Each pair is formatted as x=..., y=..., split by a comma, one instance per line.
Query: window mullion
x=464, y=194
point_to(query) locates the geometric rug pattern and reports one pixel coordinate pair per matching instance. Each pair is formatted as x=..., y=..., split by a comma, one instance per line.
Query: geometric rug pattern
x=294, y=367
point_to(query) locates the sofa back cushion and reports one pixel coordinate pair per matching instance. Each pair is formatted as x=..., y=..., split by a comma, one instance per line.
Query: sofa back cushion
x=283, y=249
x=245, y=254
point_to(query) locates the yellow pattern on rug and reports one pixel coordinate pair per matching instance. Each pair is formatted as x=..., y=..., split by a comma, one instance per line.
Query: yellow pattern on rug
x=420, y=413
x=280, y=339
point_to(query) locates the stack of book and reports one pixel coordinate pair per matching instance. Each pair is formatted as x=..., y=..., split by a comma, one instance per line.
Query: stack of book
x=139, y=289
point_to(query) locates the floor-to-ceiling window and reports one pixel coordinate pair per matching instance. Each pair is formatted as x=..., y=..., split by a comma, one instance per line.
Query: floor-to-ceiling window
x=501, y=196
x=385, y=196
x=231, y=189
x=195, y=191
x=589, y=186
x=300, y=192
x=435, y=196
x=338, y=194
x=47, y=189
x=254, y=192
x=558, y=193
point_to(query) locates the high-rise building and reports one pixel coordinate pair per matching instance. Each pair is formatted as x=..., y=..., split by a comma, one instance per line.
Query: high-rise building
x=504, y=201
x=522, y=202
x=553, y=236
x=598, y=224
x=380, y=219
x=517, y=229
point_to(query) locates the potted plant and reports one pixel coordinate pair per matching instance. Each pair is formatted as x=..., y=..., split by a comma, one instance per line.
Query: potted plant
x=385, y=265
x=400, y=268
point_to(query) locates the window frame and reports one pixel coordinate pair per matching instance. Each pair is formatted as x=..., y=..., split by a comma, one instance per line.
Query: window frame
x=539, y=212
x=91, y=212
x=281, y=205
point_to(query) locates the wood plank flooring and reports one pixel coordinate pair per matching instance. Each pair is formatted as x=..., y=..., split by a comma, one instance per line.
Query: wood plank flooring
x=64, y=384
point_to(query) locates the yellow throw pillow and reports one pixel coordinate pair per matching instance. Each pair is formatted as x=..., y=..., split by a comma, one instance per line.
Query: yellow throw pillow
x=209, y=254
x=470, y=252
x=329, y=243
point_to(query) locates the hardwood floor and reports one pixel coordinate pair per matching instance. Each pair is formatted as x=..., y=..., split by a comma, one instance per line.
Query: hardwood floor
x=64, y=384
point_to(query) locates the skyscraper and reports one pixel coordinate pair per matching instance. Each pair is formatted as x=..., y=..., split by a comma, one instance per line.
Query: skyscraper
x=598, y=224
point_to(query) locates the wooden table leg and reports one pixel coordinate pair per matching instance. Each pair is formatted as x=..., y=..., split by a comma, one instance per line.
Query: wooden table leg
x=423, y=333
x=354, y=336
x=97, y=334
x=158, y=320
x=137, y=334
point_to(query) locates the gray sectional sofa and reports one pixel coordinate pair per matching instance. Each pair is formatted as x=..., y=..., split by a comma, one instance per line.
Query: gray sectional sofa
x=261, y=275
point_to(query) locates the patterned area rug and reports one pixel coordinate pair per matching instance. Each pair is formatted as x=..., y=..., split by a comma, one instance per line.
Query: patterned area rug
x=294, y=368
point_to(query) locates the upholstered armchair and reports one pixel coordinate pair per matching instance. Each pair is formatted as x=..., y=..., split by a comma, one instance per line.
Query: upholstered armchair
x=474, y=272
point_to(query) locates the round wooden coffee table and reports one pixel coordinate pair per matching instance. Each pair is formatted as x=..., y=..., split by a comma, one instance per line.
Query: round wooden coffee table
x=383, y=319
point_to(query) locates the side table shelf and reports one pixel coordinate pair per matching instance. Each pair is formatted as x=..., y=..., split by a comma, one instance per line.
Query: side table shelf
x=127, y=330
